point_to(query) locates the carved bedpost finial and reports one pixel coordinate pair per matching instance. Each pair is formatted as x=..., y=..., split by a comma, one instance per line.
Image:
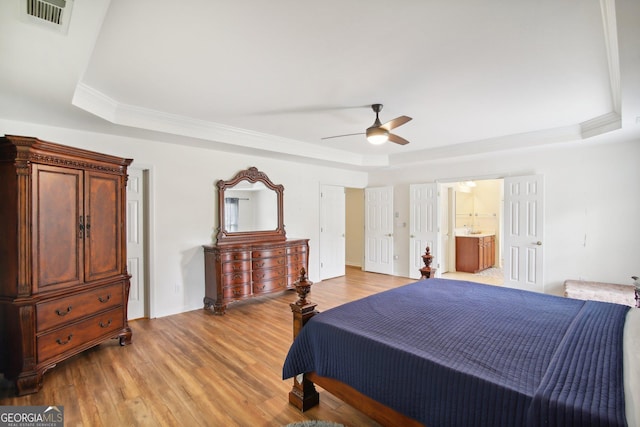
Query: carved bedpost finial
x=303, y=287
x=427, y=272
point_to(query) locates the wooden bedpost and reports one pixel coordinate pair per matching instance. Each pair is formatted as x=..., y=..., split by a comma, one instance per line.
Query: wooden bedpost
x=303, y=395
x=427, y=272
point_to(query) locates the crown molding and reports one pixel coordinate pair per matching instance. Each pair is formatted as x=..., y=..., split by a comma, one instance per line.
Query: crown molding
x=602, y=124
x=490, y=146
x=101, y=105
x=610, y=27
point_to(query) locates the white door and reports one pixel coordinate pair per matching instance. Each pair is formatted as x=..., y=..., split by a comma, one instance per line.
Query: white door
x=332, y=230
x=423, y=226
x=523, y=232
x=135, y=243
x=378, y=230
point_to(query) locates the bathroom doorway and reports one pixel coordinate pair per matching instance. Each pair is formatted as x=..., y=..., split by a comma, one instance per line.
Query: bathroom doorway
x=473, y=209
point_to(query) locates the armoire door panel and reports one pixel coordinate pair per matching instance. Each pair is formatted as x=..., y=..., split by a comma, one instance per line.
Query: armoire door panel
x=58, y=227
x=103, y=223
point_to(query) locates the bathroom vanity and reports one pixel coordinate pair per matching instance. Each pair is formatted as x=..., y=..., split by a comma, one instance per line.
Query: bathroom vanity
x=475, y=252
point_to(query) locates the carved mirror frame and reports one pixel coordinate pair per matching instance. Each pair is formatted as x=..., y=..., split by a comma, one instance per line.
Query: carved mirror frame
x=253, y=175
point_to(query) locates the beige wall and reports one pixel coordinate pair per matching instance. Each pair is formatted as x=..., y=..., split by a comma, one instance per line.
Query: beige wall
x=354, y=236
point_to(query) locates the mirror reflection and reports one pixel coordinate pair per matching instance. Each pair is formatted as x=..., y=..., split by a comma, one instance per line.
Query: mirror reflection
x=250, y=207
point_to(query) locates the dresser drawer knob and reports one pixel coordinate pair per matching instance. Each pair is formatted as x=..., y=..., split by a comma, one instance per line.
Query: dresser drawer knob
x=103, y=300
x=63, y=313
x=102, y=325
x=59, y=341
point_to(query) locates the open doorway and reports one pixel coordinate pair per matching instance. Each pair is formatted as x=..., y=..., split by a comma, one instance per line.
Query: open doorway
x=472, y=229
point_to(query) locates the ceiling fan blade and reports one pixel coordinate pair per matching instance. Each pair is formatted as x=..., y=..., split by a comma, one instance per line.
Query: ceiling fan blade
x=340, y=136
x=398, y=121
x=397, y=139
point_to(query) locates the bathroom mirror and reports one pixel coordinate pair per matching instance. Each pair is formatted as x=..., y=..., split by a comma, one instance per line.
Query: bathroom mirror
x=250, y=208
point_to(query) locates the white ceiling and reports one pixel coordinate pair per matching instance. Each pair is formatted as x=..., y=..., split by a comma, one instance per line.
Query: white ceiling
x=275, y=77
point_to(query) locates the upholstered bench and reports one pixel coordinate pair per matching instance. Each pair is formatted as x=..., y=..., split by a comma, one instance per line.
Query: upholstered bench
x=599, y=291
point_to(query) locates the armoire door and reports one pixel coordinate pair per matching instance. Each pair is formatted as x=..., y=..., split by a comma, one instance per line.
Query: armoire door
x=58, y=227
x=103, y=224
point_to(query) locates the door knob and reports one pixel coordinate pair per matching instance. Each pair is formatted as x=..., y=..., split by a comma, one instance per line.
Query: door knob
x=389, y=235
x=538, y=243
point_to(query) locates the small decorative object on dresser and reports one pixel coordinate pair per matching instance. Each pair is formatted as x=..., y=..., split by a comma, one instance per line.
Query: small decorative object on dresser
x=63, y=277
x=252, y=255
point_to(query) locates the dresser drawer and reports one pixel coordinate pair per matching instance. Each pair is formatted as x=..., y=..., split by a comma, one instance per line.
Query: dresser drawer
x=267, y=262
x=233, y=279
x=75, y=335
x=268, y=253
x=67, y=309
x=296, y=249
x=234, y=256
x=294, y=269
x=235, y=266
x=233, y=292
x=267, y=273
x=263, y=286
x=297, y=258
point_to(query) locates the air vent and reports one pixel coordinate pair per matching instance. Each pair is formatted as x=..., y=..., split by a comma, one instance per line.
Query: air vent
x=54, y=14
x=50, y=11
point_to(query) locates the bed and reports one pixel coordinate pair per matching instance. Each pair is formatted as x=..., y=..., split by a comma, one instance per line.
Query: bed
x=442, y=352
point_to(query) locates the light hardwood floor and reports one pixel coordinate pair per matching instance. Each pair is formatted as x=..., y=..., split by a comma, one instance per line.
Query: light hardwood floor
x=197, y=369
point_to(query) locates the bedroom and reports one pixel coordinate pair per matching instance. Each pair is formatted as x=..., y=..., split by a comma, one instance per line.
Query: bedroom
x=591, y=210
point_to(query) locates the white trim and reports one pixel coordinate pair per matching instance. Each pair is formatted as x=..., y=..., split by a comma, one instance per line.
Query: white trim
x=96, y=102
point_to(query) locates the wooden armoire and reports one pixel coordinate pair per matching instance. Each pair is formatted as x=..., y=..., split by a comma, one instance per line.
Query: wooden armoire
x=63, y=278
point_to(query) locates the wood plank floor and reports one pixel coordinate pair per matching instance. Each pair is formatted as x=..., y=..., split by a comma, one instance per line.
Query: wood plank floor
x=198, y=369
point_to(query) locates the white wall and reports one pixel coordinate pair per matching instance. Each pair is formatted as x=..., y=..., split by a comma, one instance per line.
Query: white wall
x=592, y=206
x=184, y=204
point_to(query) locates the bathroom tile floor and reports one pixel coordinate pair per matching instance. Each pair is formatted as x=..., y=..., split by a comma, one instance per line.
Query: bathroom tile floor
x=478, y=278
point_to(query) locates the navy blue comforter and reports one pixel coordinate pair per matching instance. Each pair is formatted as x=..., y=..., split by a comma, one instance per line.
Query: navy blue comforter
x=453, y=353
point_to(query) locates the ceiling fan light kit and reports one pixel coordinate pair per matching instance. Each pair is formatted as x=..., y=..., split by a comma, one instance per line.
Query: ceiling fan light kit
x=378, y=133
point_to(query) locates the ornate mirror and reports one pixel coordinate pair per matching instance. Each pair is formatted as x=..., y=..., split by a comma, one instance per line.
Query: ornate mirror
x=250, y=208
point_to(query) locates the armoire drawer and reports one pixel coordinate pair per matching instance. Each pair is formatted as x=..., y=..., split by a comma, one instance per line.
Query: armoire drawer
x=77, y=334
x=63, y=310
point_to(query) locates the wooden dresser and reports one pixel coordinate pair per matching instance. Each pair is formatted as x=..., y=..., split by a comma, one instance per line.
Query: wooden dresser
x=63, y=279
x=252, y=255
x=236, y=272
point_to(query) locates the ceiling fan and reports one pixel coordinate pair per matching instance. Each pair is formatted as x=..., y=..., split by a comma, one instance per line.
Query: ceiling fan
x=378, y=133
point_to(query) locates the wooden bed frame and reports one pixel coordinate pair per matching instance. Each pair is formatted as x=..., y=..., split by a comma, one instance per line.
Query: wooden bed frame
x=304, y=395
